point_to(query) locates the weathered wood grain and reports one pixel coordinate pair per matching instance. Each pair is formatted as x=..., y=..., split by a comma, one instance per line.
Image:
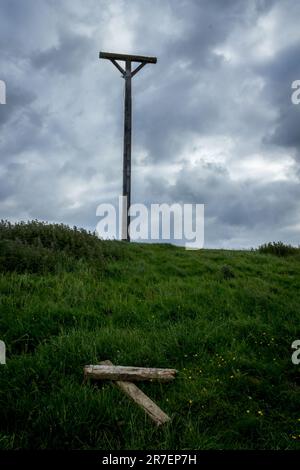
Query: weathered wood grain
x=131, y=374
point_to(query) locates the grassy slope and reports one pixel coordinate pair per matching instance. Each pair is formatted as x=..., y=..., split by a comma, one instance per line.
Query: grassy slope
x=162, y=306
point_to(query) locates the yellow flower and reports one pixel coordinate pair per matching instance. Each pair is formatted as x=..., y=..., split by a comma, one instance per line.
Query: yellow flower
x=248, y=411
x=260, y=413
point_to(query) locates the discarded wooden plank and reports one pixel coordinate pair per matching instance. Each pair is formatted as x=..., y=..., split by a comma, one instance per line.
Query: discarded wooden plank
x=142, y=400
x=2, y=353
x=130, y=374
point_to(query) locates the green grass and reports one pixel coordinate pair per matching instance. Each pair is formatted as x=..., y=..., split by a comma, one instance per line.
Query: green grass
x=229, y=336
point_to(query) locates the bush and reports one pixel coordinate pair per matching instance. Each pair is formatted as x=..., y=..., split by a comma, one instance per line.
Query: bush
x=227, y=272
x=17, y=257
x=41, y=247
x=278, y=249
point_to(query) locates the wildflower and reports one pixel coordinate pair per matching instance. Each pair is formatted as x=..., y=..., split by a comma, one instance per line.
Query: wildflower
x=190, y=402
x=248, y=411
x=232, y=376
x=260, y=413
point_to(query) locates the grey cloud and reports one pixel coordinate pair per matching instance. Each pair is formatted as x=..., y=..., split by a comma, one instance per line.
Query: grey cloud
x=192, y=99
x=279, y=73
x=17, y=101
x=68, y=56
x=233, y=207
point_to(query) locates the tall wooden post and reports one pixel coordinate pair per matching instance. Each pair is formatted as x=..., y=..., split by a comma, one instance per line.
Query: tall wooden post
x=127, y=151
x=127, y=74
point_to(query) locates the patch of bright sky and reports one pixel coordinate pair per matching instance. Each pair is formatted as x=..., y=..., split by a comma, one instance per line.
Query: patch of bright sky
x=263, y=40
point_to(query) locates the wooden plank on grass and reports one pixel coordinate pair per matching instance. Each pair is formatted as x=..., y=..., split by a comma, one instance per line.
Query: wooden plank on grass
x=142, y=400
x=129, y=374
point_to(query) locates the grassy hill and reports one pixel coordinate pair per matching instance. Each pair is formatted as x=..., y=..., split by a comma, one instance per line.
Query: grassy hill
x=224, y=319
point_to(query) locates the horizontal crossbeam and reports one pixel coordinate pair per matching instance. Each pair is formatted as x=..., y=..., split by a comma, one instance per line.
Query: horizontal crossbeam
x=127, y=57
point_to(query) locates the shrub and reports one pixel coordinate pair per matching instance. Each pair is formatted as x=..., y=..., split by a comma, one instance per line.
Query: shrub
x=39, y=247
x=278, y=249
x=227, y=272
x=17, y=257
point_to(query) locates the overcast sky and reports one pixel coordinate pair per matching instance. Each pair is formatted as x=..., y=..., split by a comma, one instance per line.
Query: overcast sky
x=213, y=119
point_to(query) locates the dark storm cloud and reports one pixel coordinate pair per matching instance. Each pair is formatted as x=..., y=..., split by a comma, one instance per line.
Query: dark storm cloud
x=232, y=202
x=180, y=107
x=280, y=73
x=242, y=210
x=218, y=99
x=18, y=101
x=67, y=56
